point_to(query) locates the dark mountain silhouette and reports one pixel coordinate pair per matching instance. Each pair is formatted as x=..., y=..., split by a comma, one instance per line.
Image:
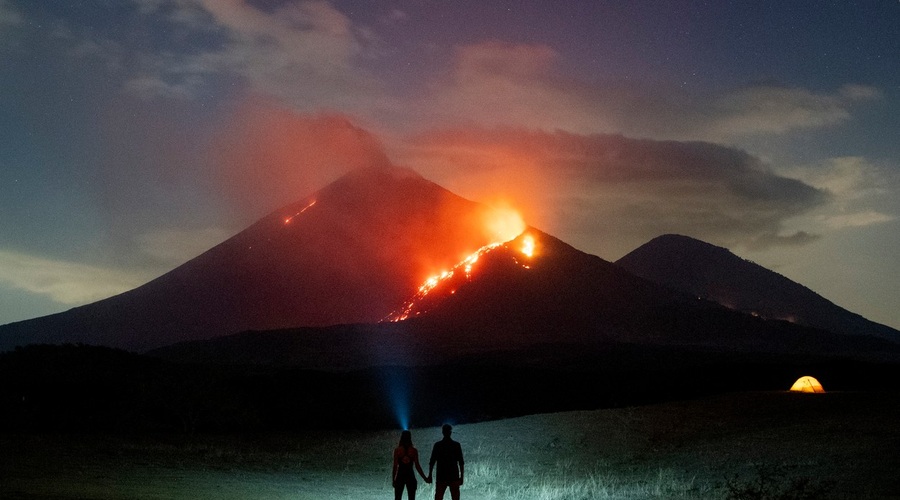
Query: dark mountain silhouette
x=714, y=273
x=559, y=308
x=356, y=253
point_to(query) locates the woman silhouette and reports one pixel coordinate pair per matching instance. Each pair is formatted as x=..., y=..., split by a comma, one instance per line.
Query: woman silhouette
x=405, y=456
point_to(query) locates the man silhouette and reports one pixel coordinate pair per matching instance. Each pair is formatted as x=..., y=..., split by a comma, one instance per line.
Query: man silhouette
x=447, y=454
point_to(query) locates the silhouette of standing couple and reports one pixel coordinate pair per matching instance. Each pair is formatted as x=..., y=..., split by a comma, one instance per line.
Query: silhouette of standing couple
x=446, y=455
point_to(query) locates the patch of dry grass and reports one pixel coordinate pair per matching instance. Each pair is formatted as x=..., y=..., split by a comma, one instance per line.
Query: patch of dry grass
x=689, y=449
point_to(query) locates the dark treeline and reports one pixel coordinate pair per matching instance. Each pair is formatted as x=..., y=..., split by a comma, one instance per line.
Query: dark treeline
x=76, y=388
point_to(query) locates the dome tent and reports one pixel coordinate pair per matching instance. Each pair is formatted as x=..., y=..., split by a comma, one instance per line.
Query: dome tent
x=807, y=384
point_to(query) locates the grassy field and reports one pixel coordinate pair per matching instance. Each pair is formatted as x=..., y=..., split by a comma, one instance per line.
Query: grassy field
x=836, y=445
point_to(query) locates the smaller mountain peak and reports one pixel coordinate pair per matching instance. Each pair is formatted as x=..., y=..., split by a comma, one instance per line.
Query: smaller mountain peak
x=675, y=237
x=705, y=270
x=678, y=244
x=678, y=239
x=676, y=254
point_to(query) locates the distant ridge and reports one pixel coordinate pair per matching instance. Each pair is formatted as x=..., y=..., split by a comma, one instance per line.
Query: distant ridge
x=715, y=273
x=562, y=308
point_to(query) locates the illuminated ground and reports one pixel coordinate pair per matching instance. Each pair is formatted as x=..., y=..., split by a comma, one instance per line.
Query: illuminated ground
x=846, y=441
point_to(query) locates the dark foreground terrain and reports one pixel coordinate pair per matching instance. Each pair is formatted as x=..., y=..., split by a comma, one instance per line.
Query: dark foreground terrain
x=736, y=445
x=548, y=423
x=77, y=389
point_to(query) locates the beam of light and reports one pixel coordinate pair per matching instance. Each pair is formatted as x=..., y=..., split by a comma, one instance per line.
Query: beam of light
x=287, y=220
x=397, y=383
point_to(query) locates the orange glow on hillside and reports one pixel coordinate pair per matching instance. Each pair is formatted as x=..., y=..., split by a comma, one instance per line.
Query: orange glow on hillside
x=504, y=224
x=287, y=220
x=464, y=270
x=464, y=266
x=528, y=245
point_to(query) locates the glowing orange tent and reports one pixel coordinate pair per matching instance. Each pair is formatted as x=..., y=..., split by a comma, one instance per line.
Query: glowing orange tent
x=807, y=384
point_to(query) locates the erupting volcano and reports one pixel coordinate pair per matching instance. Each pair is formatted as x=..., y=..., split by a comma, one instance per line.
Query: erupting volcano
x=385, y=248
x=353, y=252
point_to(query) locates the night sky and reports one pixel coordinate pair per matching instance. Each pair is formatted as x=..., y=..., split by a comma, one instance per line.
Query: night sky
x=134, y=134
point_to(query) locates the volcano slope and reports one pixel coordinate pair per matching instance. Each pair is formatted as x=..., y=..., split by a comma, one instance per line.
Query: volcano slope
x=557, y=307
x=699, y=268
x=349, y=253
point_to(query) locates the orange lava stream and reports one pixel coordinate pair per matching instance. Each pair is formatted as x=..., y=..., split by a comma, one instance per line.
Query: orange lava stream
x=528, y=245
x=287, y=220
x=464, y=266
x=431, y=283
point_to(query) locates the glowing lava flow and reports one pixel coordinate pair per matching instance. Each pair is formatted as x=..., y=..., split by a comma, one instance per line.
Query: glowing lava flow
x=528, y=245
x=465, y=266
x=287, y=220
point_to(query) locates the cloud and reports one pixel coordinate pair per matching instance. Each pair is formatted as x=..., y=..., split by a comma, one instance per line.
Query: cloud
x=173, y=247
x=309, y=36
x=69, y=283
x=596, y=187
x=304, y=53
x=312, y=57
x=149, y=87
x=395, y=16
x=10, y=21
x=503, y=84
x=862, y=192
x=768, y=109
x=849, y=178
x=857, y=219
x=9, y=16
x=269, y=156
x=769, y=240
x=497, y=83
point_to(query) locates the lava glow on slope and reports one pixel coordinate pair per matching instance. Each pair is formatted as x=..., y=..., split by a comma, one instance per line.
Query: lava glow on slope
x=462, y=269
x=287, y=220
x=503, y=224
x=528, y=245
